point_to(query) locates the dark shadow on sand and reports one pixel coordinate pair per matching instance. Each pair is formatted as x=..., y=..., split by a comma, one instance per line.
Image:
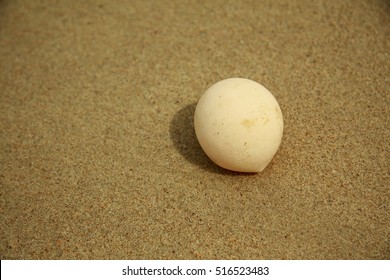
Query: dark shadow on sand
x=183, y=136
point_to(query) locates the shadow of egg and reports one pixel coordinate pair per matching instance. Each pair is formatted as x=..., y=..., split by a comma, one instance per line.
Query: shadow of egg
x=183, y=137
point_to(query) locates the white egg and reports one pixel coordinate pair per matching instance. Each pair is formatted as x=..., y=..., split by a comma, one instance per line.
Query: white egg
x=239, y=124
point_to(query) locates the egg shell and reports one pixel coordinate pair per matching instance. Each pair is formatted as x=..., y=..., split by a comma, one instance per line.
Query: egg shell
x=239, y=124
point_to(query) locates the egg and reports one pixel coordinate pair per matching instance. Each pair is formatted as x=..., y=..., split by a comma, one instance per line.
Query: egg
x=239, y=125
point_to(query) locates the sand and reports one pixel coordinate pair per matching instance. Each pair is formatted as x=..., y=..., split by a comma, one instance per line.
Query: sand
x=98, y=156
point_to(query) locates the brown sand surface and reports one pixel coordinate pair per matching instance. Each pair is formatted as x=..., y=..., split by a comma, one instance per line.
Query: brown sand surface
x=98, y=156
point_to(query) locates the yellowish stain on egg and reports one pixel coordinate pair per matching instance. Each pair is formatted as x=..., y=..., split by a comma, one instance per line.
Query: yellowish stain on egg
x=248, y=123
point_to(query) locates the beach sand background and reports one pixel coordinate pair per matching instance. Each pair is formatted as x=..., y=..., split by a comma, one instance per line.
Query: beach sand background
x=98, y=156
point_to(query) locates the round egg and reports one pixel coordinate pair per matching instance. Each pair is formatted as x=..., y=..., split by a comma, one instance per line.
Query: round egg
x=239, y=124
